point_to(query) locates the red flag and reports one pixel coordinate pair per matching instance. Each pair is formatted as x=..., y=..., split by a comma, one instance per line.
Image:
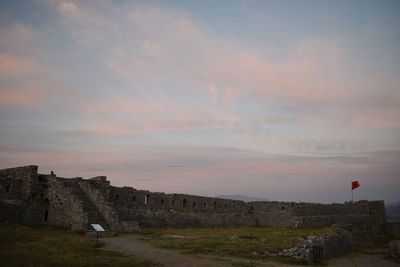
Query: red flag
x=354, y=185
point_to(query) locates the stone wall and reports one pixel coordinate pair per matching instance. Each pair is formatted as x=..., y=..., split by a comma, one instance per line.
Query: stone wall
x=178, y=210
x=98, y=190
x=21, y=196
x=128, y=197
x=393, y=229
x=151, y=209
x=65, y=207
x=16, y=182
x=75, y=203
x=317, y=248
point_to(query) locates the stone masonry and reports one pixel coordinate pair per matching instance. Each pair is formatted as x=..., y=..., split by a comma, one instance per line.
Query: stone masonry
x=75, y=203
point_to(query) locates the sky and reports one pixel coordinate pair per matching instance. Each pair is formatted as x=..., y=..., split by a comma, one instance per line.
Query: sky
x=284, y=100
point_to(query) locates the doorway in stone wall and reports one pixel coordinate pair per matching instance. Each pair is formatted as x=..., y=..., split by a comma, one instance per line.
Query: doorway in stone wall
x=46, y=209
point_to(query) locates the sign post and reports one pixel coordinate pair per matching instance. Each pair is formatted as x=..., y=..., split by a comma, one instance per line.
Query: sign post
x=97, y=228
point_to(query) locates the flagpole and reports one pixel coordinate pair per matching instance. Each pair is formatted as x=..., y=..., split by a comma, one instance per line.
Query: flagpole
x=351, y=195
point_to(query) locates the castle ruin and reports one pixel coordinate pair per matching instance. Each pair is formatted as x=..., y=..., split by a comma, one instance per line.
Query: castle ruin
x=31, y=198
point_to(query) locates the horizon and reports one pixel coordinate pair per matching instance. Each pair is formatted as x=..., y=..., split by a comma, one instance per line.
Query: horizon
x=283, y=100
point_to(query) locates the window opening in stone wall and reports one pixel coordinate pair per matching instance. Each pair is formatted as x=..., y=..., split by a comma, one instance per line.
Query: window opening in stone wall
x=146, y=199
x=194, y=205
x=133, y=198
x=225, y=206
x=204, y=205
x=116, y=197
x=283, y=207
x=184, y=203
x=215, y=205
x=234, y=206
x=251, y=208
x=173, y=202
x=8, y=188
x=162, y=202
x=46, y=215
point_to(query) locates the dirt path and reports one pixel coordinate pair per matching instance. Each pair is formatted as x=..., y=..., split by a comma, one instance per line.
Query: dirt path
x=132, y=244
x=361, y=261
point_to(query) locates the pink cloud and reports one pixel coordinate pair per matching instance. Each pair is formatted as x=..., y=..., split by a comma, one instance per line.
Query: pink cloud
x=27, y=94
x=123, y=106
x=11, y=66
x=213, y=93
x=169, y=36
x=14, y=98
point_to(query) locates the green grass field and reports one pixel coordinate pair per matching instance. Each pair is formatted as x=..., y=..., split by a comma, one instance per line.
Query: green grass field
x=50, y=246
x=246, y=242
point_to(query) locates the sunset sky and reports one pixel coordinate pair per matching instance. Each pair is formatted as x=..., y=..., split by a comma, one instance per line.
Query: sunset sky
x=284, y=100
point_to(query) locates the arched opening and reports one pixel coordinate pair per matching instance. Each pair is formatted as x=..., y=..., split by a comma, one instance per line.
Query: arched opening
x=146, y=199
x=215, y=205
x=184, y=203
x=46, y=203
x=133, y=198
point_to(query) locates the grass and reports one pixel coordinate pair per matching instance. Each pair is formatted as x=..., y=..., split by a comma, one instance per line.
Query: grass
x=44, y=246
x=246, y=242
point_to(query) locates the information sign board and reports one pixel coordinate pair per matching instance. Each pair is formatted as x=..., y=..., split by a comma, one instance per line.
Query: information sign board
x=97, y=227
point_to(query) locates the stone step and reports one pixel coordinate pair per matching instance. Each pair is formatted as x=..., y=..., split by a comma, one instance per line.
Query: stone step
x=94, y=216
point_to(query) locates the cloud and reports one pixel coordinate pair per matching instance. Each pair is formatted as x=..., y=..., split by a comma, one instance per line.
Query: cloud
x=11, y=66
x=122, y=106
x=146, y=43
x=19, y=96
x=213, y=93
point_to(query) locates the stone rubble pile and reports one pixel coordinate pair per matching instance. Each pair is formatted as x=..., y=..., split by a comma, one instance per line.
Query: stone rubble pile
x=304, y=247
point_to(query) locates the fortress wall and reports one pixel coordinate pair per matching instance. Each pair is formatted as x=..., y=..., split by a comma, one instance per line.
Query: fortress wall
x=13, y=211
x=147, y=217
x=30, y=198
x=16, y=183
x=65, y=209
x=274, y=213
x=152, y=209
x=271, y=206
x=378, y=213
x=360, y=222
x=128, y=197
x=279, y=218
x=314, y=209
x=311, y=209
x=180, y=210
x=377, y=208
x=21, y=195
x=98, y=190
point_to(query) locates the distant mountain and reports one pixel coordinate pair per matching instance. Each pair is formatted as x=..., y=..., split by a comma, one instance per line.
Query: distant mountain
x=393, y=204
x=393, y=211
x=241, y=197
